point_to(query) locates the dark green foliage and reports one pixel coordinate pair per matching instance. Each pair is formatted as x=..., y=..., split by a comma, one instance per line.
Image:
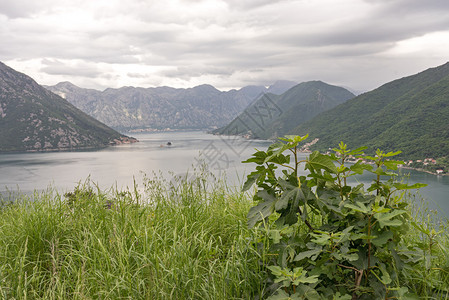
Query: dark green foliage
x=273, y=115
x=411, y=114
x=330, y=240
x=84, y=194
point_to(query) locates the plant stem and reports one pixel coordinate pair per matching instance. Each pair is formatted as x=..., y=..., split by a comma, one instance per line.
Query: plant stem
x=369, y=243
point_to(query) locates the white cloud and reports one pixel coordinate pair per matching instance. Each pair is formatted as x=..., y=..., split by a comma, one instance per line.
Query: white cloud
x=226, y=43
x=435, y=44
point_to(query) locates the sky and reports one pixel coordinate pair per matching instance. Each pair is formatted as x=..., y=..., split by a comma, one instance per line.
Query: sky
x=358, y=44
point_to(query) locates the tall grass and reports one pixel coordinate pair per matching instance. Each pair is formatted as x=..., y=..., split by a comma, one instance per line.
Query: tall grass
x=164, y=240
x=169, y=241
x=428, y=240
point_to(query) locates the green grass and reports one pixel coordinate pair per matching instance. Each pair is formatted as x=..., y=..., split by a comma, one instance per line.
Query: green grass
x=163, y=242
x=429, y=278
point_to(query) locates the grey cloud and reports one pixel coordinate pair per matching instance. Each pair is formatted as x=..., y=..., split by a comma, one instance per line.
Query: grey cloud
x=56, y=67
x=245, y=41
x=358, y=49
x=137, y=75
x=251, y=4
x=21, y=8
x=372, y=30
x=191, y=71
x=398, y=7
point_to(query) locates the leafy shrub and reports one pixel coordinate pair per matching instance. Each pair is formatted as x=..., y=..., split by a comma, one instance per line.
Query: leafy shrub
x=328, y=239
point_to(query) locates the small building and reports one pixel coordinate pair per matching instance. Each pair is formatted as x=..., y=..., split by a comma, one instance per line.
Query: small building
x=439, y=171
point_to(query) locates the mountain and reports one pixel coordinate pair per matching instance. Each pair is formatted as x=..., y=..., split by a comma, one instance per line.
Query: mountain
x=128, y=108
x=410, y=114
x=280, y=87
x=272, y=116
x=34, y=119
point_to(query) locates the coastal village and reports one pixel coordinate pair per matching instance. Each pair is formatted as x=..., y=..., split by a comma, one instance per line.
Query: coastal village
x=438, y=166
x=429, y=165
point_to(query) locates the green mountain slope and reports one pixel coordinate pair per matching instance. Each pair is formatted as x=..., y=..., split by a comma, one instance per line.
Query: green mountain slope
x=34, y=119
x=271, y=115
x=409, y=114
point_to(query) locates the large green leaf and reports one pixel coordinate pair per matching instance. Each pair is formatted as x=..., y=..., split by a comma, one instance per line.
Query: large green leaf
x=251, y=179
x=404, y=186
x=388, y=219
x=277, y=156
x=359, y=207
x=294, y=138
x=258, y=158
x=318, y=161
x=263, y=209
x=393, y=164
x=306, y=292
x=382, y=238
x=359, y=168
x=308, y=254
x=338, y=296
x=292, y=195
x=282, y=295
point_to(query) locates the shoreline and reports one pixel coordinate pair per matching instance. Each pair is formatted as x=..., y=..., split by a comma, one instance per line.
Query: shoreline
x=423, y=170
x=305, y=148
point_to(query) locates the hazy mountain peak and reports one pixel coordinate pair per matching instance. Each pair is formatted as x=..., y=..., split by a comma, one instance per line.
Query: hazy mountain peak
x=205, y=88
x=280, y=86
x=282, y=113
x=199, y=107
x=65, y=84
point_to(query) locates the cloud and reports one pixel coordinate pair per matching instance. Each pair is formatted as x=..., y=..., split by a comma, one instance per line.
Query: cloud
x=22, y=8
x=406, y=7
x=188, y=72
x=72, y=68
x=226, y=43
x=137, y=75
x=250, y=4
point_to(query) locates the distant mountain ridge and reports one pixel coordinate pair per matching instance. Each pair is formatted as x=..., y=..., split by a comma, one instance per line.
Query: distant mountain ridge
x=34, y=119
x=134, y=108
x=410, y=114
x=271, y=115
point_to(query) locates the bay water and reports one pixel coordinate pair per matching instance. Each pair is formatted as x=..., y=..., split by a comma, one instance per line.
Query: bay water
x=175, y=153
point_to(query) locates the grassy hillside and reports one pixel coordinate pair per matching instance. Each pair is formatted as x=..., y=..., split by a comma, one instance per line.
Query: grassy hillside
x=411, y=114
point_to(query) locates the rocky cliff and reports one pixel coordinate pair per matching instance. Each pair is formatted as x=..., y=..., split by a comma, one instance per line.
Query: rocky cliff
x=35, y=119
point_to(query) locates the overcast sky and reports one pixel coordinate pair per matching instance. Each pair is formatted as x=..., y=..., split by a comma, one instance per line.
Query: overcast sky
x=359, y=44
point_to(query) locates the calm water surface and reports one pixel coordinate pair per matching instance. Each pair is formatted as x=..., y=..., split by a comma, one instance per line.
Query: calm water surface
x=118, y=166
